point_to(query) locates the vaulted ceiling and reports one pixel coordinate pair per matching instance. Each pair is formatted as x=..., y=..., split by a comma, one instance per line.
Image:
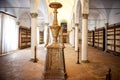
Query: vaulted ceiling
x=97, y=8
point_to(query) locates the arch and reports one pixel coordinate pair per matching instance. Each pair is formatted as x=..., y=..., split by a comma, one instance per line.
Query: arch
x=50, y=18
x=77, y=11
x=73, y=20
x=43, y=8
x=25, y=20
x=114, y=16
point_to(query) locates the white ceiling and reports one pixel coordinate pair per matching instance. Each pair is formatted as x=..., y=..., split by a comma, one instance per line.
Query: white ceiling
x=97, y=7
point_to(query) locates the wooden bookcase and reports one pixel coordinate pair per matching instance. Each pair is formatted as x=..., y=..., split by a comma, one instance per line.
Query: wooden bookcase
x=99, y=38
x=113, y=39
x=41, y=37
x=24, y=38
x=91, y=38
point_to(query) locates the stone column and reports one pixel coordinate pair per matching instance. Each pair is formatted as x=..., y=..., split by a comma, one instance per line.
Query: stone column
x=34, y=14
x=76, y=36
x=70, y=37
x=73, y=37
x=34, y=45
x=38, y=35
x=106, y=25
x=85, y=38
x=46, y=34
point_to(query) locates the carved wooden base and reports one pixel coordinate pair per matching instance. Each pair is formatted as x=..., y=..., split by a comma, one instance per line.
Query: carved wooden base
x=54, y=65
x=54, y=75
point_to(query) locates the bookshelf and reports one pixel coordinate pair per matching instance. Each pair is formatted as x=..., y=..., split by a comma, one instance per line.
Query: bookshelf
x=91, y=38
x=113, y=39
x=99, y=38
x=24, y=38
x=41, y=37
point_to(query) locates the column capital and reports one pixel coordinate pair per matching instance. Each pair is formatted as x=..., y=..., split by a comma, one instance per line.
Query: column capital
x=106, y=24
x=34, y=15
x=85, y=16
x=18, y=23
x=73, y=28
x=76, y=24
x=46, y=24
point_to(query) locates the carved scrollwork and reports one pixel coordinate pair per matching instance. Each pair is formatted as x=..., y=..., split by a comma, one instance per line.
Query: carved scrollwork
x=34, y=15
x=85, y=16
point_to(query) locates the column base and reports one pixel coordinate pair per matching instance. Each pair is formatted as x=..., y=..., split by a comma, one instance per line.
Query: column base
x=78, y=62
x=85, y=61
x=34, y=60
x=76, y=50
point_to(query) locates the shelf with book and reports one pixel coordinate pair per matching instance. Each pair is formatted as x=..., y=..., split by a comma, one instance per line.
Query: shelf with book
x=91, y=38
x=41, y=33
x=113, y=39
x=99, y=38
x=24, y=38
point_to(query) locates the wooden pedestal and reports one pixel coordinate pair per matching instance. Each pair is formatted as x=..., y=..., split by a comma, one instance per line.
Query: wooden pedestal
x=55, y=64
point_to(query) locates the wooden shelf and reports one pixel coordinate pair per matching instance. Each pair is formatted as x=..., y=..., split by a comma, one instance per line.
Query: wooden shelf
x=113, y=39
x=41, y=37
x=91, y=38
x=99, y=38
x=24, y=38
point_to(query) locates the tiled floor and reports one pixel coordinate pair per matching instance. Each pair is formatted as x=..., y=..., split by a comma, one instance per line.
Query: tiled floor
x=17, y=65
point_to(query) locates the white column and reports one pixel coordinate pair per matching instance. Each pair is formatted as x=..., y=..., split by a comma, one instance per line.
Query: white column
x=38, y=35
x=70, y=37
x=73, y=37
x=34, y=33
x=46, y=34
x=76, y=36
x=106, y=25
x=34, y=14
x=85, y=38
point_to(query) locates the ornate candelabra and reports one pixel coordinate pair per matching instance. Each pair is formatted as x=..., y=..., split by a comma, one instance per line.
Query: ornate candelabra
x=55, y=28
x=55, y=64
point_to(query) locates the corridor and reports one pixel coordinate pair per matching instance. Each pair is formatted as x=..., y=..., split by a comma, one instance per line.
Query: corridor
x=17, y=65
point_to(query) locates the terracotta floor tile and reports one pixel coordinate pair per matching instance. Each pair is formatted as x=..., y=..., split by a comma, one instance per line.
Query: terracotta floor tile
x=17, y=65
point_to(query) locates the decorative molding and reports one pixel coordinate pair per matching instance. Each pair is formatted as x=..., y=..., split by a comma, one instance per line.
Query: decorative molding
x=34, y=15
x=76, y=24
x=85, y=16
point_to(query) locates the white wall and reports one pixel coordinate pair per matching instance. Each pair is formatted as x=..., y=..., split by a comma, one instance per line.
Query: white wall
x=9, y=33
